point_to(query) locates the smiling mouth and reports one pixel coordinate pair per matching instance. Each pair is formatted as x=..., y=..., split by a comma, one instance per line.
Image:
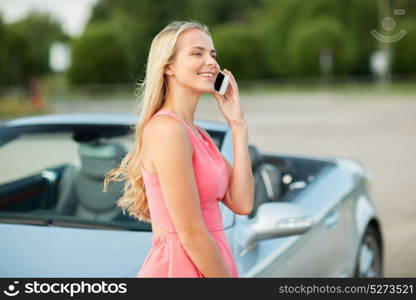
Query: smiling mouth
x=209, y=77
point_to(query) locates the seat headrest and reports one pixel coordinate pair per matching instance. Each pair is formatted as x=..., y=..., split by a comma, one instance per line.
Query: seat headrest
x=272, y=178
x=98, y=158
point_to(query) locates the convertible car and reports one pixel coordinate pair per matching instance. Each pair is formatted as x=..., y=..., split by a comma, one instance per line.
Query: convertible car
x=313, y=216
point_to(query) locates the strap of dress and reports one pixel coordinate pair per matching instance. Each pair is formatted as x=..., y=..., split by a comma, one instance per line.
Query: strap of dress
x=167, y=112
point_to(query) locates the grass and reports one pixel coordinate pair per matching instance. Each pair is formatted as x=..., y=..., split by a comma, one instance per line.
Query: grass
x=126, y=92
x=15, y=106
x=55, y=89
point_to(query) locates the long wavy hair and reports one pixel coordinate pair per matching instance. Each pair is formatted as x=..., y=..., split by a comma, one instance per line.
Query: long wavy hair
x=153, y=90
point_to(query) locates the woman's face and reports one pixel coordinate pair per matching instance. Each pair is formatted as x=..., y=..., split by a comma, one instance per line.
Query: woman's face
x=195, y=55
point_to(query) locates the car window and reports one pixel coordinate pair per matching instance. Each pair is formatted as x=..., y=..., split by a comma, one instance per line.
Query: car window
x=31, y=153
x=50, y=175
x=54, y=176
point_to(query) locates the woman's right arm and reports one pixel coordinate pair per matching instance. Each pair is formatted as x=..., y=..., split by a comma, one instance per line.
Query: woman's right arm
x=171, y=153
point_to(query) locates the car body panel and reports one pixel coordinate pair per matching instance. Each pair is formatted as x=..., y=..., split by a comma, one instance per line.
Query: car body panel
x=335, y=195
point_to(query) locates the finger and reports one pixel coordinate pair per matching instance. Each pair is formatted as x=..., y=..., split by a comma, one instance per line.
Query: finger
x=218, y=97
x=231, y=76
x=232, y=89
x=233, y=82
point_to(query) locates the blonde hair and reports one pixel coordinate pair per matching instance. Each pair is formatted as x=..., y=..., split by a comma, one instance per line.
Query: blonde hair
x=153, y=88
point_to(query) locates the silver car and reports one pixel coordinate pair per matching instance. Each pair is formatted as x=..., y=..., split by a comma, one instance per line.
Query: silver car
x=313, y=216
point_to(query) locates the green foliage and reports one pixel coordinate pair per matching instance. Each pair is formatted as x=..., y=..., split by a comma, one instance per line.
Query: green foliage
x=275, y=25
x=405, y=49
x=138, y=21
x=153, y=14
x=3, y=53
x=27, y=44
x=310, y=38
x=360, y=17
x=282, y=18
x=215, y=12
x=254, y=38
x=98, y=56
x=240, y=50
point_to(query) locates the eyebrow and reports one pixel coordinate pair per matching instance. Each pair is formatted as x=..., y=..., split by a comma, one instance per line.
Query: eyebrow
x=202, y=48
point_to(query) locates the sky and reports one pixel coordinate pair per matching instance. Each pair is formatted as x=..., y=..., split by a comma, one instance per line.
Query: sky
x=72, y=14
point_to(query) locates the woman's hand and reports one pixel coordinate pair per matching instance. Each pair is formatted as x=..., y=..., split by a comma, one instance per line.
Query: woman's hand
x=229, y=103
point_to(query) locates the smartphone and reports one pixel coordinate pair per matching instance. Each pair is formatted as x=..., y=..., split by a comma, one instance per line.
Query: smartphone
x=221, y=83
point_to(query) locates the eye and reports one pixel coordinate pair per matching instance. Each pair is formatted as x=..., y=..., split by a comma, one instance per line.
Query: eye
x=196, y=54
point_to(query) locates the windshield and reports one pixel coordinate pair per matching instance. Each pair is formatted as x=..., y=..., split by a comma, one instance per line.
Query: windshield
x=54, y=179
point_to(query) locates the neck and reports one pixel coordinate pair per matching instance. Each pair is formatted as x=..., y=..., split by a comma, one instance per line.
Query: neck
x=182, y=101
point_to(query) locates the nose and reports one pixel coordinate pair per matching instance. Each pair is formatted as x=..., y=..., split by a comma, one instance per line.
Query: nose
x=211, y=61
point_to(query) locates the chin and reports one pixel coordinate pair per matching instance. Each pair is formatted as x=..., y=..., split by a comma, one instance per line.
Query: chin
x=205, y=90
x=210, y=89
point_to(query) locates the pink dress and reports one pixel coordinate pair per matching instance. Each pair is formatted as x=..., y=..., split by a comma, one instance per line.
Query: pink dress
x=167, y=257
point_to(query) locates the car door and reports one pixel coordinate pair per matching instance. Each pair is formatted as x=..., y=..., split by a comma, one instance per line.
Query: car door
x=316, y=253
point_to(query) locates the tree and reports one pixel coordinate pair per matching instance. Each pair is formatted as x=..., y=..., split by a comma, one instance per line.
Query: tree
x=28, y=42
x=3, y=53
x=98, y=56
x=360, y=17
x=138, y=21
x=404, y=59
x=280, y=19
x=240, y=50
x=310, y=38
x=216, y=12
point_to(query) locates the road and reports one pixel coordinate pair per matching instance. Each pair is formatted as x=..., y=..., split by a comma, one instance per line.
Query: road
x=376, y=129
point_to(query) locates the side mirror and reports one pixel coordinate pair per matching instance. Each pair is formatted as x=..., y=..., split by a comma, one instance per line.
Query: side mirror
x=275, y=220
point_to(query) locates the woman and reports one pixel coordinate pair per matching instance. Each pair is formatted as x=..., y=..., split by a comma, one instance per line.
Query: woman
x=176, y=176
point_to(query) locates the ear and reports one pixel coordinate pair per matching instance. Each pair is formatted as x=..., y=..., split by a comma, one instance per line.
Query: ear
x=168, y=70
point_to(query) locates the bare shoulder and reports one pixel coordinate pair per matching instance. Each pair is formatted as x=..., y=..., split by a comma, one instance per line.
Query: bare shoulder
x=164, y=127
x=163, y=135
x=171, y=151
